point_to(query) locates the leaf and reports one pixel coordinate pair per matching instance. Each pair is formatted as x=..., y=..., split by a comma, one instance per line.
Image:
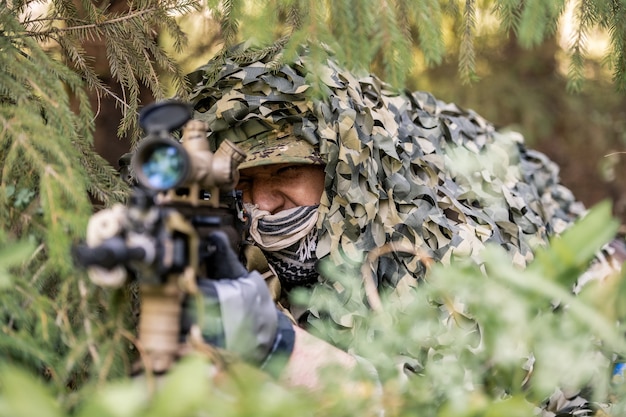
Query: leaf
x=569, y=254
x=185, y=388
x=117, y=399
x=21, y=395
x=516, y=406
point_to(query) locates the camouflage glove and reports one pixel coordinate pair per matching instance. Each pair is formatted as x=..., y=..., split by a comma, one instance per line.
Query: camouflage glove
x=238, y=313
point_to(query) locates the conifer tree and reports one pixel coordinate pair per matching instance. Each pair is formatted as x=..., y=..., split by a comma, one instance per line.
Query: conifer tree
x=53, y=319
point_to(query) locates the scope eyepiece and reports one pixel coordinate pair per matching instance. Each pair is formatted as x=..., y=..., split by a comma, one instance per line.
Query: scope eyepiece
x=161, y=164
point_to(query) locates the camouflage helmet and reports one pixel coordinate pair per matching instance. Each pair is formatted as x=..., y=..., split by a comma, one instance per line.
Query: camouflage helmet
x=265, y=112
x=278, y=147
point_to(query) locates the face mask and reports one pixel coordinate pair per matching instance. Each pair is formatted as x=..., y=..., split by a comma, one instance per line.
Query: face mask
x=288, y=239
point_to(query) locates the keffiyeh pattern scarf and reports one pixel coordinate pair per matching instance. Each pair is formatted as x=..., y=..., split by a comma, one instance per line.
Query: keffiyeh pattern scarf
x=288, y=239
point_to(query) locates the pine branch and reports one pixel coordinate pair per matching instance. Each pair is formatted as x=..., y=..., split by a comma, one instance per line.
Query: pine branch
x=616, y=23
x=348, y=31
x=555, y=10
x=392, y=45
x=41, y=140
x=51, y=32
x=134, y=55
x=586, y=17
x=364, y=18
x=293, y=16
x=104, y=183
x=534, y=23
x=467, y=60
x=428, y=18
x=509, y=14
x=228, y=21
x=404, y=10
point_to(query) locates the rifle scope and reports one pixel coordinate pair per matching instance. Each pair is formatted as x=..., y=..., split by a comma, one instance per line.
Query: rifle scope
x=161, y=164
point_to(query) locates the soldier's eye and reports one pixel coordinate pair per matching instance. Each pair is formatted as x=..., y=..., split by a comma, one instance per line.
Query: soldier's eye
x=244, y=183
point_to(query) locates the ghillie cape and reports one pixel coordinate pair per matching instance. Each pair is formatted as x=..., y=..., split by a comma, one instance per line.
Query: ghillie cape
x=402, y=167
x=403, y=170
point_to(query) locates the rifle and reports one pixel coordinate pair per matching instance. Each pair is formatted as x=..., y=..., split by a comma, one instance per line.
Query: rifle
x=183, y=193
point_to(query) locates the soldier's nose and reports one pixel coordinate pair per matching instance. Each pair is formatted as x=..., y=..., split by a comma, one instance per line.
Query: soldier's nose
x=269, y=198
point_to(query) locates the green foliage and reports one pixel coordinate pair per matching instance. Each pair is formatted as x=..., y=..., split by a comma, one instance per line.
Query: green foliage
x=474, y=332
x=471, y=333
x=48, y=174
x=570, y=252
x=35, y=105
x=24, y=396
x=53, y=320
x=586, y=16
x=538, y=20
x=184, y=392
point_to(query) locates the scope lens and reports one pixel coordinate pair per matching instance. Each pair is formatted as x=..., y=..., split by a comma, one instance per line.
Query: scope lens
x=164, y=167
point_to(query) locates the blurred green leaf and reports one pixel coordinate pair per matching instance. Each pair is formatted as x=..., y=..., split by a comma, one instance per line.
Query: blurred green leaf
x=607, y=296
x=117, y=399
x=22, y=395
x=184, y=389
x=569, y=254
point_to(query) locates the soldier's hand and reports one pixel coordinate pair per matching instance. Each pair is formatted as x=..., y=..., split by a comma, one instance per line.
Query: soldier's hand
x=222, y=261
x=236, y=311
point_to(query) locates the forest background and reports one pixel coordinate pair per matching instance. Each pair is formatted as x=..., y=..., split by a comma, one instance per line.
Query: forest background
x=75, y=73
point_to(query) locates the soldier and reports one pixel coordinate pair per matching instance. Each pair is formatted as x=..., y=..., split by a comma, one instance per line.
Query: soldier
x=366, y=167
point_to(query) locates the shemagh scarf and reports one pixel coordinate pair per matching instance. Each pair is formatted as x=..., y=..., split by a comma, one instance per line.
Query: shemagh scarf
x=288, y=239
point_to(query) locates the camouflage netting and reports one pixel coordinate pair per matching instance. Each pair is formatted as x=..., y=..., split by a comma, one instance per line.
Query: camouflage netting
x=400, y=167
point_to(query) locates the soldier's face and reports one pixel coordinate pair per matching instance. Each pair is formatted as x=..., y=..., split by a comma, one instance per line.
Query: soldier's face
x=282, y=186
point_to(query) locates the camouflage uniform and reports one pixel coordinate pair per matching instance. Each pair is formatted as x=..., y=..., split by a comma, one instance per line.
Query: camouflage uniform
x=402, y=167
